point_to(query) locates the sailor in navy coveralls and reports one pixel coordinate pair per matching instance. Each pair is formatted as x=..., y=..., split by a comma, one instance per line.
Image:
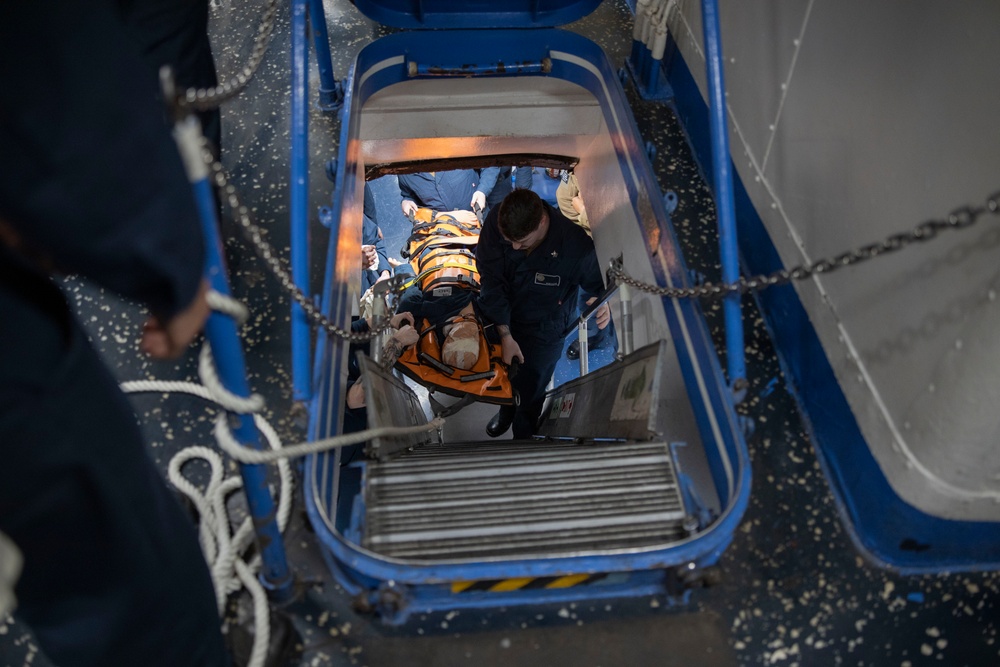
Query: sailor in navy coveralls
x=532, y=261
x=443, y=191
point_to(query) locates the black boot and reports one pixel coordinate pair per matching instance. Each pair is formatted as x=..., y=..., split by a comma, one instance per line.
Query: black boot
x=501, y=421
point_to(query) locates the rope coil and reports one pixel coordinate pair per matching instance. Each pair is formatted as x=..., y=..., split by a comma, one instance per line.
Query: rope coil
x=225, y=550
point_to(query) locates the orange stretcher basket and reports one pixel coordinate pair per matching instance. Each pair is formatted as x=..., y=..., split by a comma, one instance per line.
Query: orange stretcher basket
x=487, y=382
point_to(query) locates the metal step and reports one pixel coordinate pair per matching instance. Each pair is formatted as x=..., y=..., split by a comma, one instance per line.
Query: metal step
x=506, y=500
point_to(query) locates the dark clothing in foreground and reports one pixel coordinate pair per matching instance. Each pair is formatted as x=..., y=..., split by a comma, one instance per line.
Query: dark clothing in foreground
x=113, y=573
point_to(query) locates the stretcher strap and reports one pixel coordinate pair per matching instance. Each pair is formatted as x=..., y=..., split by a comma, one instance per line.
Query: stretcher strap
x=462, y=281
x=444, y=240
x=424, y=274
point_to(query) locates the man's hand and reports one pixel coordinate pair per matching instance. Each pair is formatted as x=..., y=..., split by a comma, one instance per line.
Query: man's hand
x=401, y=339
x=465, y=217
x=167, y=340
x=510, y=348
x=578, y=206
x=603, y=313
x=406, y=335
x=409, y=207
x=478, y=198
x=369, y=257
x=399, y=319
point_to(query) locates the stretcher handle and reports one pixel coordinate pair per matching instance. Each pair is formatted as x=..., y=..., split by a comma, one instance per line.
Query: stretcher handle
x=478, y=210
x=404, y=251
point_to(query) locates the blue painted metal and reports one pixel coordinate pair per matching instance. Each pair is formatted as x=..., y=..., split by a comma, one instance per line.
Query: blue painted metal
x=476, y=69
x=650, y=151
x=722, y=180
x=331, y=91
x=585, y=64
x=325, y=416
x=396, y=603
x=647, y=73
x=886, y=530
x=221, y=332
x=670, y=201
x=299, y=201
x=325, y=216
x=480, y=14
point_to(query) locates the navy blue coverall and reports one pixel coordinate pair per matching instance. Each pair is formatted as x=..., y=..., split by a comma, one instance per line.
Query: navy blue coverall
x=536, y=295
x=447, y=190
x=92, y=185
x=506, y=182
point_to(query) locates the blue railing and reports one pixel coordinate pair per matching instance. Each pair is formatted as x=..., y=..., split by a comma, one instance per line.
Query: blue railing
x=722, y=181
x=227, y=352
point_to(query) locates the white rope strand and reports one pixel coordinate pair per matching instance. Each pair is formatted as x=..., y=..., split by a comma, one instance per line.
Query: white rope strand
x=225, y=550
x=230, y=401
x=228, y=306
x=243, y=454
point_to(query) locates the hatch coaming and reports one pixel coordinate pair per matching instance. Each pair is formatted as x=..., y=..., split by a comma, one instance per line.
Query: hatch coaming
x=475, y=13
x=628, y=217
x=444, y=118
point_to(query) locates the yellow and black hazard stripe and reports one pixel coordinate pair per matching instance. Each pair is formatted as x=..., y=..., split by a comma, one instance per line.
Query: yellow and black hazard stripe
x=524, y=583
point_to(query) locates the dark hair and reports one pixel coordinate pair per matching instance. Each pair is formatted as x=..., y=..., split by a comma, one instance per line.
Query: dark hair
x=520, y=214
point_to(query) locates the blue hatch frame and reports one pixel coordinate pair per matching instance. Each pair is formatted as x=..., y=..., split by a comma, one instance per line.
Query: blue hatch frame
x=580, y=61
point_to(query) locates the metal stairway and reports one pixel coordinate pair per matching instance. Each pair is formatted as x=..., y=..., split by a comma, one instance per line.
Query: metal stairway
x=516, y=499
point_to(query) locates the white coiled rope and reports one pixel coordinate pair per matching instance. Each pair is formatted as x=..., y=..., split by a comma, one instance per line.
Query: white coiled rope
x=225, y=551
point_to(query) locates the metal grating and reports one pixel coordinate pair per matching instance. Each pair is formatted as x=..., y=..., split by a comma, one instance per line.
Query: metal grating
x=512, y=500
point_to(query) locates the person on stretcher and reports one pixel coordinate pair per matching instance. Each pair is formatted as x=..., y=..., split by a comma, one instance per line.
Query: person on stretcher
x=456, y=353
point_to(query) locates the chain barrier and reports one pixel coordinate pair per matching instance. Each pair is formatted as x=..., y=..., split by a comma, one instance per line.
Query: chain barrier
x=264, y=250
x=205, y=99
x=202, y=99
x=960, y=218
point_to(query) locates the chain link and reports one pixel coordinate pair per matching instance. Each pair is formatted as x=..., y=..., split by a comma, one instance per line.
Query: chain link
x=960, y=218
x=204, y=99
x=264, y=250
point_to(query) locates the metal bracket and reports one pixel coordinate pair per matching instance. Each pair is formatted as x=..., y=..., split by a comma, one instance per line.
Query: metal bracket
x=325, y=216
x=670, y=201
x=739, y=389
x=332, y=100
x=647, y=74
